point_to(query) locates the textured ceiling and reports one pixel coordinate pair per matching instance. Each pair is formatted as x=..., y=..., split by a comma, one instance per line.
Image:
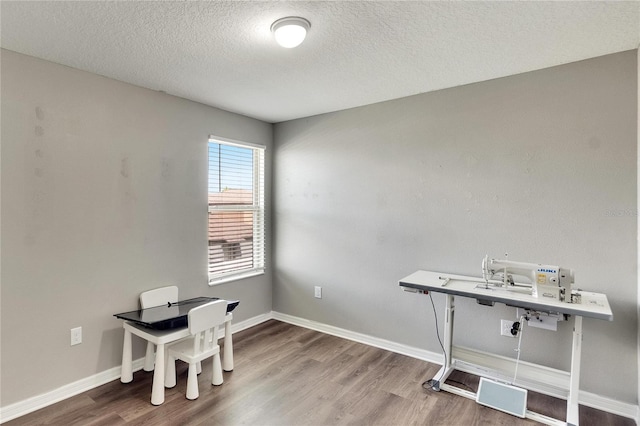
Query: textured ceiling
x=221, y=53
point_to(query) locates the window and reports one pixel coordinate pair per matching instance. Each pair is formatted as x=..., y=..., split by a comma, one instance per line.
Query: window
x=236, y=210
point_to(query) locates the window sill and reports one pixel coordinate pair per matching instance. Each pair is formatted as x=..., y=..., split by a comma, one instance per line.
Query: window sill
x=235, y=277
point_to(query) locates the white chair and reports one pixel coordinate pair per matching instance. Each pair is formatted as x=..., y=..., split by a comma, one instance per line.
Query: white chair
x=203, y=325
x=149, y=299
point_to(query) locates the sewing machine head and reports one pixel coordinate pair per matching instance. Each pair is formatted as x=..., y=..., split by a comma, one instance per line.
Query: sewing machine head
x=546, y=281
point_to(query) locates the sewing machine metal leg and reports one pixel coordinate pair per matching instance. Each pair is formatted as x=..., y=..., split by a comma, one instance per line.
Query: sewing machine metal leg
x=574, y=381
x=446, y=369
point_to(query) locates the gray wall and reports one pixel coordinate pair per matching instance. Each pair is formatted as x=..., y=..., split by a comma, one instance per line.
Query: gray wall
x=540, y=165
x=103, y=197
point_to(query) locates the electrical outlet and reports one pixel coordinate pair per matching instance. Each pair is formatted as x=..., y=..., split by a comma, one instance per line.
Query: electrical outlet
x=76, y=336
x=505, y=328
x=318, y=292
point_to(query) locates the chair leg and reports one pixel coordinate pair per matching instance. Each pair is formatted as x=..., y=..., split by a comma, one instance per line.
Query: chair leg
x=216, y=378
x=149, y=357
x=192, y=382
x=170, y=372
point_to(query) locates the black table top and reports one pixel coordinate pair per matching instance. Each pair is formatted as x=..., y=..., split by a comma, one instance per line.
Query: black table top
x=171, y=315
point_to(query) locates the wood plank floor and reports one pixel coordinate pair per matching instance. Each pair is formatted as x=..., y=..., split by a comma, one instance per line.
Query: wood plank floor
x=288, y=375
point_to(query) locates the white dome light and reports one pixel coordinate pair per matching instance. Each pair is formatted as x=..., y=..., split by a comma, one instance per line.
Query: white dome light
x=291, y=31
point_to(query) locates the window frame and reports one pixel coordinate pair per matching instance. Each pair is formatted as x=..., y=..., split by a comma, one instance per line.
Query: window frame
x=257, y=208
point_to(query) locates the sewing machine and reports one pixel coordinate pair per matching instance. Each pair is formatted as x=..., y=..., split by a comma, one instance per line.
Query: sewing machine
x=556, y=282
x=546, y=281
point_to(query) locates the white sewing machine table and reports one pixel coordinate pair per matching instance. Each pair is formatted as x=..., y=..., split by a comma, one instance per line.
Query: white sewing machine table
x=593, y=305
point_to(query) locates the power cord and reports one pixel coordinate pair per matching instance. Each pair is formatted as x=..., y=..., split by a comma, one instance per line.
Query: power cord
x=520, y=330
x=431, y=383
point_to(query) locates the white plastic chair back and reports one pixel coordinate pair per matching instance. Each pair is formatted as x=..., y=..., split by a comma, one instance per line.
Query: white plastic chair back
x=203, y=325
x=159, y=296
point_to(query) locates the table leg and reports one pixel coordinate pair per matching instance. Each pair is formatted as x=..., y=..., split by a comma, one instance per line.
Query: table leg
x=574, y=379
x=227, y=361
x=148, y=358
x=447, y=365
x=157, y=389
x=126, y=375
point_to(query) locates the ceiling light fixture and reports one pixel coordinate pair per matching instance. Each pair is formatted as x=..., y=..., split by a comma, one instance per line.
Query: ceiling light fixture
x=290, y=31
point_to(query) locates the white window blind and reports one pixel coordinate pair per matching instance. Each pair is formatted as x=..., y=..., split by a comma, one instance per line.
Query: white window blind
x=236, y=210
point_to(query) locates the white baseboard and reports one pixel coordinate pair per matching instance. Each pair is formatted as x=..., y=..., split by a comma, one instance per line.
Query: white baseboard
x=466, y=356
x=30, y=405
x=248, y=323
x=399, y=348
x=553, y=383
